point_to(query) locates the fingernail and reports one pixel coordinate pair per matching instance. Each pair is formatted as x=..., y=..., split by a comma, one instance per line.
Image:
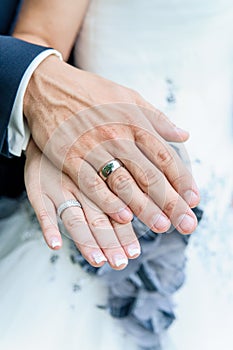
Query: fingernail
x=133, y=250
x=180, y=130
x=187, y=223
x=161, y=222
x=55, y=242
x=191, y=197
x=125, y=215
x=99, y=257
x=120, y=260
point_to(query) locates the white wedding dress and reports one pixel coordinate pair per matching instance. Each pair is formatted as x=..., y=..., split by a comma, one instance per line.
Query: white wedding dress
x=179, y=55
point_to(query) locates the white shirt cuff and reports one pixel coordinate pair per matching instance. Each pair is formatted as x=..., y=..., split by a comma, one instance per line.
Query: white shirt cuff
x=18, y=131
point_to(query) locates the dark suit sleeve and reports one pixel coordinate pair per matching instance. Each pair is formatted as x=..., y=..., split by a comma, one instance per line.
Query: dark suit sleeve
x=15, y=57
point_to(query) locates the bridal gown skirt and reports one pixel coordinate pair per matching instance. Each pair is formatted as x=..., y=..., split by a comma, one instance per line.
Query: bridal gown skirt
x=47, y=301
x=179, y=56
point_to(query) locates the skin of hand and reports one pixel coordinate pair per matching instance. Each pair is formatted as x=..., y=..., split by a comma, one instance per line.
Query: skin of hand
x=98, y=238
x=81, y=121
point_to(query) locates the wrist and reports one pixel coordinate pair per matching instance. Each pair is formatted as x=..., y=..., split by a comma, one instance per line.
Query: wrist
x=31, y=38
x=35, y=86
x=42, y=40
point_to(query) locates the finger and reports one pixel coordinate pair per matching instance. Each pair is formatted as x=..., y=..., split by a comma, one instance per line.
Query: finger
x=162, y=124
x=75, y=222
x=46, y=215
x=93, y=187
x=152, y=182
x=155, y=184
x=123, y=184
x=85, y=176
x=170, y=164
x=166, y=129
x=106, y=237
x=128, y=239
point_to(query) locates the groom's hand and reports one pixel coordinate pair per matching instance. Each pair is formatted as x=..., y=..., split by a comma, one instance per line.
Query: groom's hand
x=82, y=121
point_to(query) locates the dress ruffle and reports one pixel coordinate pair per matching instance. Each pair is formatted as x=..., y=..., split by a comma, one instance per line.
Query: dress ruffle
x=141, y=294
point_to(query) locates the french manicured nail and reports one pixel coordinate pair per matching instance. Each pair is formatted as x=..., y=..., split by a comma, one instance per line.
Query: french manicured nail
x=133, y=250
x=186, y=223
x=120, y=260
x=161, y=222
x=191, y=197
x=125, y=215
x=55, y=242
x=99, y=257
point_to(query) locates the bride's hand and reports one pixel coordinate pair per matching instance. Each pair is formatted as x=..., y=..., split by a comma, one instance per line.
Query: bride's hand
x=82, y=121
x=98, y=238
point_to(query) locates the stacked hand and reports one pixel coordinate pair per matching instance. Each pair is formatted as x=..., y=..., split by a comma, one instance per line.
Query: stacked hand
x=81, y=122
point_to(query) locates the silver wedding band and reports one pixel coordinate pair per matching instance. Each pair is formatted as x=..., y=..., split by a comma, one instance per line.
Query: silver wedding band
x=109, y=168
x=68, y=204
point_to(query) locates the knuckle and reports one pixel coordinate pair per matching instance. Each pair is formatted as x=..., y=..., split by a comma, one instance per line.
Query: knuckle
x=165, y=158
x=45, y=220
x=109, y=132
x=43, y=216
x=150, y=177
x=72, y=155
x=74, y=221
x=140, y=209
x=170, y=206
x=100, y=222
x=140, y=134
x=121, y=181
x=178, y=181
x=96, y=185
